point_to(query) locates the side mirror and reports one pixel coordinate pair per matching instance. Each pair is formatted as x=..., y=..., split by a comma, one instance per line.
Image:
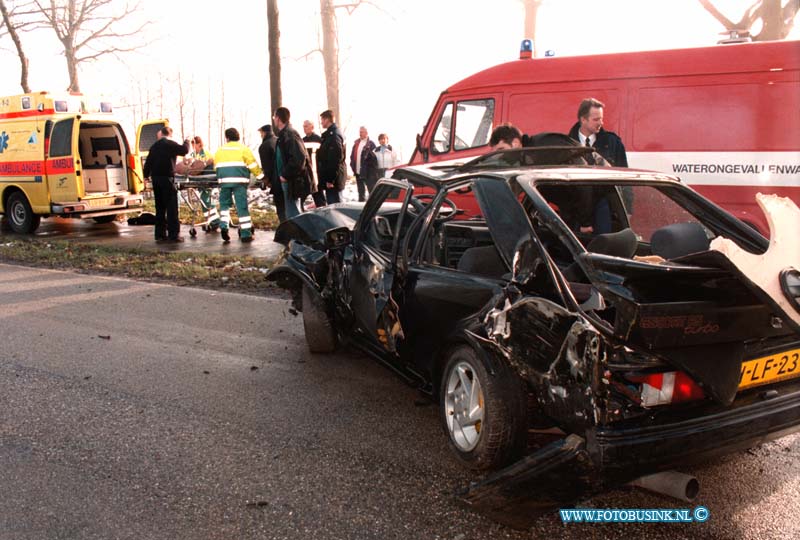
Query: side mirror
x=422, y=150
x=338, y=238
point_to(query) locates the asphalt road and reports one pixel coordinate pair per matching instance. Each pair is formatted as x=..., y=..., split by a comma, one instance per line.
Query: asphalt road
x=142, y=411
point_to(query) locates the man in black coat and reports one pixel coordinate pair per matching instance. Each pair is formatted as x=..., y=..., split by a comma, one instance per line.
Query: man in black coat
x=160, y=168
x=317, y=191
x=589, y=131
x=331, y=165
x=266, y=152
x=291, y=163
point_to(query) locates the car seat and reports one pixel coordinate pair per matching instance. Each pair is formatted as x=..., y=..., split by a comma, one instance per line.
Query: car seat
x=679, y=239
x=483, y=260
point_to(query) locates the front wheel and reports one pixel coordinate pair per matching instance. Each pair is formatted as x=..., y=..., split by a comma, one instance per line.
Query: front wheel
x=318, y=325
x=20, y=215
x=482, y=413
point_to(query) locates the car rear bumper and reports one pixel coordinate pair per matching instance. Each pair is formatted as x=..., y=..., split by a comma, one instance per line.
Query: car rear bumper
x=622, y=454
x=574, y=467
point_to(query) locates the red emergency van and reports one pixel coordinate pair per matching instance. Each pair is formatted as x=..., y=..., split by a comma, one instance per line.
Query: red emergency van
x=726, y=119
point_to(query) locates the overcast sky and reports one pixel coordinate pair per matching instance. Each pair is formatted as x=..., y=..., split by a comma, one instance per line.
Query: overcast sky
x=396, y=58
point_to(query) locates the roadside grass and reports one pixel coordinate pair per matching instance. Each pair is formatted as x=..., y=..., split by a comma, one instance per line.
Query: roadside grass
x=235, y=273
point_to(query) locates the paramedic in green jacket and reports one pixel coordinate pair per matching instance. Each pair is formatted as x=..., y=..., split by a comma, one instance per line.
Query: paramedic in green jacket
x=234, y=162
x=211, y=214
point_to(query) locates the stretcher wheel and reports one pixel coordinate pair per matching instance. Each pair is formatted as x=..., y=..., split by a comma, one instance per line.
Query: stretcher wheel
x=192, y=232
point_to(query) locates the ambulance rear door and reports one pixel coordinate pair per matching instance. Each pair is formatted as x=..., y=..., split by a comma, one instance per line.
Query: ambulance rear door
x=146, y=135
x=62, y=162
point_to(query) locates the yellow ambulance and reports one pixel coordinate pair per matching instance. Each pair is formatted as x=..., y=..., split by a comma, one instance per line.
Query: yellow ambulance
x=66, y=156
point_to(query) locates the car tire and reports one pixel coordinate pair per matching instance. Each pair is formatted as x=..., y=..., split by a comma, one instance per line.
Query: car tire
x=482, y=413
x=318, y=325
x=20, y=215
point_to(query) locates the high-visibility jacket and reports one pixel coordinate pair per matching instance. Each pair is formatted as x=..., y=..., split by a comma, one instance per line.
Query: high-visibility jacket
x=234, y=162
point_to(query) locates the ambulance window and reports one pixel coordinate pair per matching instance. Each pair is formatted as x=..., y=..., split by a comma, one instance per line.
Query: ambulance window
x=61, y=139
x=473, y=123
x=26, y=102
x=441, y=137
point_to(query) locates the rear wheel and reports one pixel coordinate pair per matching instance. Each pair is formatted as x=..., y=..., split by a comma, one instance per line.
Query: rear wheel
x=482, y=413
x=318, y=325
x=19, y=214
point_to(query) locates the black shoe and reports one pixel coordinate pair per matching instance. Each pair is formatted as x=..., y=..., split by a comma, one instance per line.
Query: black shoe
x=175, y=240
x=247, y=239
x=225, y=236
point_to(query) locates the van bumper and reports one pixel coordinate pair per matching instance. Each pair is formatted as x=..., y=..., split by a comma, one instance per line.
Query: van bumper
x=98, y=206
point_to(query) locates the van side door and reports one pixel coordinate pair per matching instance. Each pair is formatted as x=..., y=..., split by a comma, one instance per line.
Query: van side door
x=62, y=160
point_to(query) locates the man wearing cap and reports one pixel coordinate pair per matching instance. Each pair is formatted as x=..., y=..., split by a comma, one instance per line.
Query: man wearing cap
x=266, y=151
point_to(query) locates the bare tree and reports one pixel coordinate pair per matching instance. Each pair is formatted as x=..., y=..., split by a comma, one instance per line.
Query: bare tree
x=531, y=14
x=274, y=35
x=181, y=105
x=330, y=53
x=330, y=46
x=776, y=17
x=222, y=113
x=13, y=23
x=89, y=29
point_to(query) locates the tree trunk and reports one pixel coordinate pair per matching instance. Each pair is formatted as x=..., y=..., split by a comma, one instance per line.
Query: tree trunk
x=274, y=35
x=72, y=68
x=531, y=13
x=330, y=54
x=23, y=60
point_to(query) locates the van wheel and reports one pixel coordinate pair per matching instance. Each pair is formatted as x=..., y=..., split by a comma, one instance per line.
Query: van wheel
x=104, y=219
x=20, y=215
x=483, y=414
x=318, y=325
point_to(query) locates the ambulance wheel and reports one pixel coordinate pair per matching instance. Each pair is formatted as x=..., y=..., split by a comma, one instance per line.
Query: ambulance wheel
x=192, y=232
x=20, y=214
x=104, y=219
x=483, y=413
x=318, y=324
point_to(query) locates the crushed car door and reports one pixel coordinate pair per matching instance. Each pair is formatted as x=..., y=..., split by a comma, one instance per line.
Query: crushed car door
x=376, y=238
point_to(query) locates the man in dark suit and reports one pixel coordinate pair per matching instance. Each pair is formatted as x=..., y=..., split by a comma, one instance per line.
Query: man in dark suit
x=160, y=168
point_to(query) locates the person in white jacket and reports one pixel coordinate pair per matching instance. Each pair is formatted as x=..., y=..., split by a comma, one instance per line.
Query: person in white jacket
x=387, y=158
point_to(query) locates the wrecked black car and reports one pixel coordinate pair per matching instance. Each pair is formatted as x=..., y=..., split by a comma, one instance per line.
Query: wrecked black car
x=587, y=326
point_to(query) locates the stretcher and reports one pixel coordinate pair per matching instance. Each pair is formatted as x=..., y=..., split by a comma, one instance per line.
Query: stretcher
x=190, y=187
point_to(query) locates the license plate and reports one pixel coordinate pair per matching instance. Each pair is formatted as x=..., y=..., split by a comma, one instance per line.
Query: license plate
x=770, y=369
x=97, y=203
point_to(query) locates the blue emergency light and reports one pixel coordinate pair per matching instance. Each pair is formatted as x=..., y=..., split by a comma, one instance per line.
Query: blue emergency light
x=526, y=49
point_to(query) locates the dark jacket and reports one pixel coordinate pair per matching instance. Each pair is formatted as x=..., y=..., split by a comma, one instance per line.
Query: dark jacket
x=608, y=144
x=312, y=138
x=294, y=160
x=369, y=163
x=266, y=151
x=331, y=166
x=161, y=159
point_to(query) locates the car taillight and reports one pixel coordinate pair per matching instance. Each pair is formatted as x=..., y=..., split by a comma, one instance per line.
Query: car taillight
x=665, y=388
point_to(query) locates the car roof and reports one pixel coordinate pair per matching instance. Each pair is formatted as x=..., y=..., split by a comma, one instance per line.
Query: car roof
x=448, y=172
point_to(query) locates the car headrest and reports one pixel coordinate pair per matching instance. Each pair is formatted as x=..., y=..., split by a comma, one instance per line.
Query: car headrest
x=679, y=239
x=618, y=244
